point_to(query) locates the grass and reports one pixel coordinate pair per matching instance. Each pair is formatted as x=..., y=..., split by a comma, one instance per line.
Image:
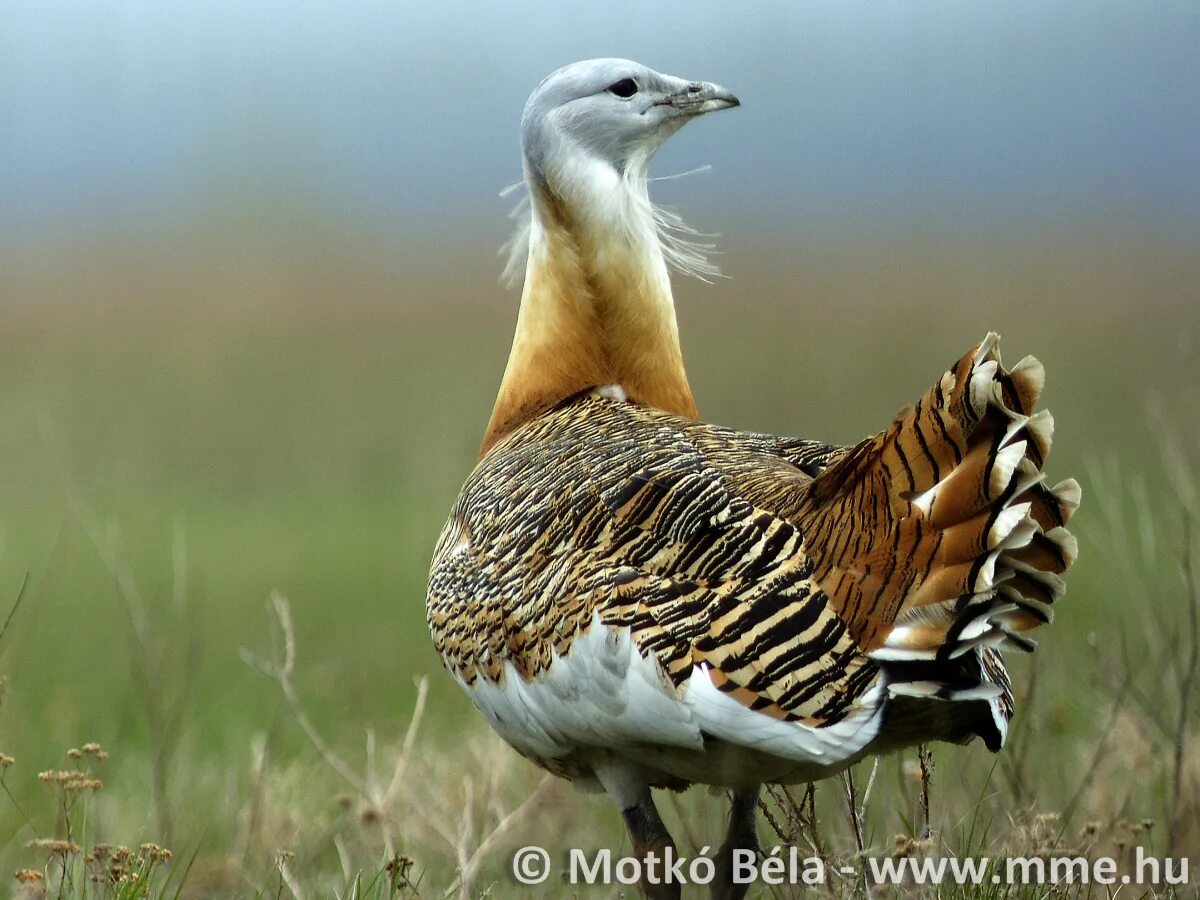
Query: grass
x=194, y=429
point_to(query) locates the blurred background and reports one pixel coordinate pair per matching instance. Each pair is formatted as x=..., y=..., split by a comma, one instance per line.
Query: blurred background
x=251, y=324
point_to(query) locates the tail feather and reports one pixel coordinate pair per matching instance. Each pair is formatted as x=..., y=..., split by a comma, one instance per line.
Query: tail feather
x=938, y=538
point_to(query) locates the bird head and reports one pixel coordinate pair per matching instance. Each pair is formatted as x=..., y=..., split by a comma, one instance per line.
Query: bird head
x=611, y=112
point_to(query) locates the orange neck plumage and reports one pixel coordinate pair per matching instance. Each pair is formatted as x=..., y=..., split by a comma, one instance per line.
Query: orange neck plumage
x=596, y=310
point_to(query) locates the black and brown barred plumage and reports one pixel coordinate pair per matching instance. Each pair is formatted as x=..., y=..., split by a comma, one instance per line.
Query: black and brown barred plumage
x=635, y=598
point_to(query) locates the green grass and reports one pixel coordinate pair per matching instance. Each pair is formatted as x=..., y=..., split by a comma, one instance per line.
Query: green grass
x=189, y=425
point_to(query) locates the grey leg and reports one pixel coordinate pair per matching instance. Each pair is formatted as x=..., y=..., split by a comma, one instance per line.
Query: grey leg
x=628, y=789
x=650, y=835
x=742, y=835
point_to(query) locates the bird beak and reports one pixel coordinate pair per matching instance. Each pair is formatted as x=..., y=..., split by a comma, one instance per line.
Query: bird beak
x=700, y=97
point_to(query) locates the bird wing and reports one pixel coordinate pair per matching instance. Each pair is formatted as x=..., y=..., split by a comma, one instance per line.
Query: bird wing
x=606, y=518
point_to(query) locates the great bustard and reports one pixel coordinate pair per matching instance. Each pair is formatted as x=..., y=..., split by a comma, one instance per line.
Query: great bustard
x=637, y=599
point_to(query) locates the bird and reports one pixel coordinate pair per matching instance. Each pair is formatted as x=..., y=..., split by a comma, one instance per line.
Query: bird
x=637, y=599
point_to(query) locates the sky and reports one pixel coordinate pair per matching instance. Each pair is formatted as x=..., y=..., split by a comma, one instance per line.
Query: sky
x=403, y=114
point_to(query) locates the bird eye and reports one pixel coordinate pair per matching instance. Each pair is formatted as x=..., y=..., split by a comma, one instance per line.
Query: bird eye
x=625, y=88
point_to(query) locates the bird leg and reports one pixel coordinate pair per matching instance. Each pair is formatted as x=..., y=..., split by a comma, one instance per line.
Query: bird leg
x=651, y=838
x=742, y=835
x=630, y=789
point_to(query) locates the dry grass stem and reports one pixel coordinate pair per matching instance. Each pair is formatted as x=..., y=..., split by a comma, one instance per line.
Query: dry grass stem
x=469, y=869
x=16, y=605
x=284, y=673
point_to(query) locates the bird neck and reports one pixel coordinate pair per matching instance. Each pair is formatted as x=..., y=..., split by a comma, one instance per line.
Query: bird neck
x=596, y=308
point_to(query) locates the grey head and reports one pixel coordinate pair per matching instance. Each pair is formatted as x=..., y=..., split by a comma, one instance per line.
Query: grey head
x=612, y=111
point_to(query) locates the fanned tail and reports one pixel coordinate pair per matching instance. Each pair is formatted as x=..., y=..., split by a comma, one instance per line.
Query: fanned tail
x=938, y=541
